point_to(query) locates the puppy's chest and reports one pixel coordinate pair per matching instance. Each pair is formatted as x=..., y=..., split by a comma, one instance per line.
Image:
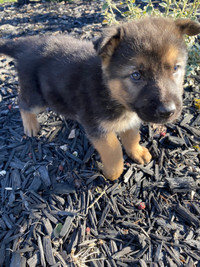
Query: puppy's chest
x=125, y=122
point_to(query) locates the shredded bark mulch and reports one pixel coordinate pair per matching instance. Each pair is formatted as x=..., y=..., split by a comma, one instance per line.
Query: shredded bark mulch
x=57, y=209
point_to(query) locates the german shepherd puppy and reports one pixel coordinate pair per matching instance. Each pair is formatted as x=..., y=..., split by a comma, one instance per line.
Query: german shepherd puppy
x=134, y=72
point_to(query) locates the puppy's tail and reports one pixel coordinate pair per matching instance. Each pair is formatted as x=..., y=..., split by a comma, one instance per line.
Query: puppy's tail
x=9, y=48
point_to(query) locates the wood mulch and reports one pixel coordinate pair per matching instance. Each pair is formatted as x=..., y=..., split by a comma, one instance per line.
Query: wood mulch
x=57, y=209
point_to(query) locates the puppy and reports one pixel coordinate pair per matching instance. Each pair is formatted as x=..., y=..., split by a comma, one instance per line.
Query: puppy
x=132, y=73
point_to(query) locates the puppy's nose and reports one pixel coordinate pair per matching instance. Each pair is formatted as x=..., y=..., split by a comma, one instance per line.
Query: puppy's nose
x=166, y=110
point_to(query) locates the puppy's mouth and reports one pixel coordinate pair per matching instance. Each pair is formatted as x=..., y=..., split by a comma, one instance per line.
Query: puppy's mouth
x=156, y=119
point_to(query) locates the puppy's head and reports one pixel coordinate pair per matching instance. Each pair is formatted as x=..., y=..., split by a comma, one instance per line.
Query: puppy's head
x=143, y=64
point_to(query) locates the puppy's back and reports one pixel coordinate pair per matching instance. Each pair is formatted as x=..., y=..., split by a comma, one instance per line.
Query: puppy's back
x=61, y=46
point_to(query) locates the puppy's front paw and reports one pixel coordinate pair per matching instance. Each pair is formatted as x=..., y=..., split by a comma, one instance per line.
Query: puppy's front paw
x=140, y=155
x=110, y=151
x=113, y=172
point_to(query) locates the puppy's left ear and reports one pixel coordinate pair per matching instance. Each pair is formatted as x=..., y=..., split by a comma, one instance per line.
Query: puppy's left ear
x=108, y=42
x=188, y=26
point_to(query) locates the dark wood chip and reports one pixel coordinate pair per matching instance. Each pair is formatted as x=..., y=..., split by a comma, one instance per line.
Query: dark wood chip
x=181, y=184
x=34, y=260
x=186, y=215
x=17, y=260
x=47, y=226
x=48, y=250
x=41, y=249
x=104, y=215
x=175, y=258
x=50, y=216
x=44, y=175
x=64, y=188
x=66, y=226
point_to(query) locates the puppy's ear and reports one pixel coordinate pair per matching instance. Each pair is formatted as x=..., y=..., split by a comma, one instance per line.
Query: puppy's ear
x=188, y=26
x=107, y=43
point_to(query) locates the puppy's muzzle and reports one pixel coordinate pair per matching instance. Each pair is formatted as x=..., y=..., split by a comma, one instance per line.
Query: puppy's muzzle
x=165, y=111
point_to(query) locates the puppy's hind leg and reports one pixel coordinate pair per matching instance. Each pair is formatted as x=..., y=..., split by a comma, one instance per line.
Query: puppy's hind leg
x=31, y=100
x=29, y=110
x=30, y=122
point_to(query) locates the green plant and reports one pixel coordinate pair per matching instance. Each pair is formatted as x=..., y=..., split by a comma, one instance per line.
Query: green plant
x=5, y=1
x=127, y=9
x=166, y=8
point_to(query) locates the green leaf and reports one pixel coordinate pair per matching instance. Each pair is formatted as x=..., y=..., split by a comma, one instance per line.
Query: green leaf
x=105, y=6
x=163, y=5
x=57, y=229
x=149, y=9
x=126, y=13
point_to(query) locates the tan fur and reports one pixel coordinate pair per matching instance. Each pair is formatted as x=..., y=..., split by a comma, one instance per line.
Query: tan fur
x=130, y=140
x=37, y=110
x=171, y=56
x=30, y=123
x=117, y=91
x=105, y=63
x=169, y=59
x=125, y=122
x=142, y=61
x=110, y=151
x=113, y=43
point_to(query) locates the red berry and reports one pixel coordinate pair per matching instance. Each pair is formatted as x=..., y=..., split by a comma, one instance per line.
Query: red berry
x=88, y=230
x=162, y=133
x=141, y=206
x=10, y=107
x=60, y=167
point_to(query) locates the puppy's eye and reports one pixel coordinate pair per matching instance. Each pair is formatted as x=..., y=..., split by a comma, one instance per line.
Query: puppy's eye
x=136, y=76
x=176, y=67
